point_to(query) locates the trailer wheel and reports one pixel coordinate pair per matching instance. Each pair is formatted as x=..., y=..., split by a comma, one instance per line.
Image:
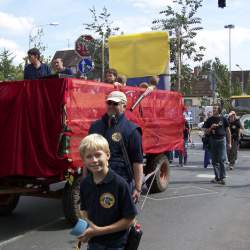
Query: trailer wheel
x=161, y=180
x=8, y=203
x=71, y=200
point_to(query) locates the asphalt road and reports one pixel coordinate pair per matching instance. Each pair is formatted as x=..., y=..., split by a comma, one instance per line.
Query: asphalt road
x=191, y=214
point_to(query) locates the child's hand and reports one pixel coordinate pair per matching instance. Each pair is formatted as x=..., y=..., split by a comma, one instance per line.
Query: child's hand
x=90, y=232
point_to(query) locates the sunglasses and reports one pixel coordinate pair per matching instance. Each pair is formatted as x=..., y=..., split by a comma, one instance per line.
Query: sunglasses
x=112, y=103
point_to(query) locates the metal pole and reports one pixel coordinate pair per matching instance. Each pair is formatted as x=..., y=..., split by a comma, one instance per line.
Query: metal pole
x=179, y=60
x=242, y=85
x=230, y=72
x=103, y=56
x=229, y=27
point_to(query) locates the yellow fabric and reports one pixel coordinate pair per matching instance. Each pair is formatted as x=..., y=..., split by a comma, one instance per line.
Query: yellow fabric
x=139, y=55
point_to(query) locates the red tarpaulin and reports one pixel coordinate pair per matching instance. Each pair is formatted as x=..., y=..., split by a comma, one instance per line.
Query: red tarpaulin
x=31, y=122
x=160, y=115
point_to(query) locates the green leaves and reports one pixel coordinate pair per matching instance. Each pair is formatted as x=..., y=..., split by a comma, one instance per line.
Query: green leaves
x=8, y=71
x=182, y=21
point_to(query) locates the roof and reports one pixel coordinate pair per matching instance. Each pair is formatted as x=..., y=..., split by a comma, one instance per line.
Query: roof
x=200, y=87
x=69, y=57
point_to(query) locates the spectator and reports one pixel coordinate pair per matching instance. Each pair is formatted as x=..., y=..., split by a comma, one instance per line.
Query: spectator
x=235, y=129
x=217, y=128
x=206, y=146
x=105, y=199
x=36, y=69
x=124, y=139
x=122, y=80
x=59, y=68
x=186, y=138
x=153, y=81
x=111, y=76
x=144, y=85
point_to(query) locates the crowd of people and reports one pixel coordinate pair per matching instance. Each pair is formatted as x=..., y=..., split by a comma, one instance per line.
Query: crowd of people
x=220, y=137
x=37, y=69
x=221, y=142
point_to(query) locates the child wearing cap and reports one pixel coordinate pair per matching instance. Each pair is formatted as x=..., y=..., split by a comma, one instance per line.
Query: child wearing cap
x=105, y=199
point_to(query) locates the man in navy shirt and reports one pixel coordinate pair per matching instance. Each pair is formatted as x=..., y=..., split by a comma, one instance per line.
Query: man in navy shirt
x=59, y=67
x=36, y=69
x=105, y=199
x=217, y=128
x=125, y=141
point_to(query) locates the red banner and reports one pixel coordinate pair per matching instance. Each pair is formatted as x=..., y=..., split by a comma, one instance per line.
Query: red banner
x=160, y=115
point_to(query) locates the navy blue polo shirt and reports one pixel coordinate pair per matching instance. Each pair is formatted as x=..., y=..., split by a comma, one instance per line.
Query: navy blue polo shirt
x=32, y=73
x=66, y=71
x=132, y=140
x=106, y=203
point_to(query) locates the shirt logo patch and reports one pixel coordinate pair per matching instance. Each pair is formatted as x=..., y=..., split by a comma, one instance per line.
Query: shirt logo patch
x=116, y=136
x=107, y=200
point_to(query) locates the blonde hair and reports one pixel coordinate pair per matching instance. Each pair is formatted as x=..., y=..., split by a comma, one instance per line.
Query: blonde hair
x=93, y=142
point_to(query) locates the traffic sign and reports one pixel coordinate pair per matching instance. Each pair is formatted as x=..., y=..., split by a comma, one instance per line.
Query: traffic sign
x=86, y=65
x=81, y=45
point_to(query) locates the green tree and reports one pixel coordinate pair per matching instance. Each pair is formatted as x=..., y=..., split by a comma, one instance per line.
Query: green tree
x=219, y=76
x=181, y=20
x=8, y=71
x=248, y=88
x=102, y=27
x=236, y=88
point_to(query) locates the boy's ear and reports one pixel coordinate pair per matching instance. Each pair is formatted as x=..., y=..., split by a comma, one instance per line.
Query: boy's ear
x=108, y=155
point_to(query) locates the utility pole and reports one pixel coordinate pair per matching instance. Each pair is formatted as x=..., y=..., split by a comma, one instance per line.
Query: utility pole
x=178, y=34
x=229, y=27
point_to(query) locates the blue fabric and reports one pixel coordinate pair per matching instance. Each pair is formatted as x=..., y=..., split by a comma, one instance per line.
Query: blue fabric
x=32, y=73
x=136, y=81
x=107, y=203
x=207, y=157
x=66, y=71
x=132, y=140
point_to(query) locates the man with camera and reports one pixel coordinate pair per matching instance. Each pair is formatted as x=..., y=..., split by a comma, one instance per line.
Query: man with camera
x=217, y=128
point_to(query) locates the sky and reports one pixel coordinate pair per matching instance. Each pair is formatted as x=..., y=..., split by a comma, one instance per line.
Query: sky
x=19, y=19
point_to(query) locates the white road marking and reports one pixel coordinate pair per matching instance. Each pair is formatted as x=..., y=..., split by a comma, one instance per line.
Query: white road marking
x=205, y=175
x=7, y=242
x=191, y=166
x=11, y=240
x=208, y=192
x=206, y=189
x=180, y=196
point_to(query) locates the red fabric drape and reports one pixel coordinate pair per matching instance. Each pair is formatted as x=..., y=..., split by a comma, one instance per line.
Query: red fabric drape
x=30, y=122
x=30, y=125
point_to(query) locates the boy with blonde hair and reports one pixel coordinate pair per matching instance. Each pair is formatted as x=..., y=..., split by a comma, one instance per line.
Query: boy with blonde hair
x=105, y=199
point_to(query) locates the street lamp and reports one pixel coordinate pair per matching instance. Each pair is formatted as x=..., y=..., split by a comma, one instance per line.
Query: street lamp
x=242, y=77
x=229, y=27
x=39, y=26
